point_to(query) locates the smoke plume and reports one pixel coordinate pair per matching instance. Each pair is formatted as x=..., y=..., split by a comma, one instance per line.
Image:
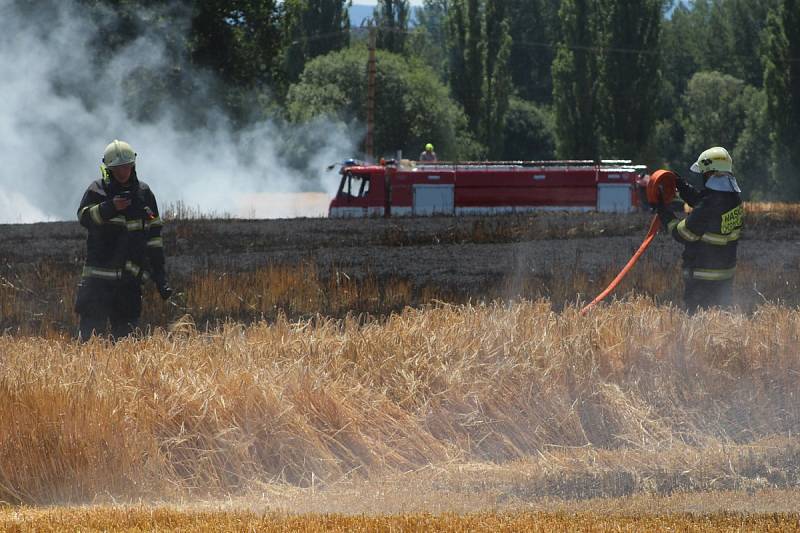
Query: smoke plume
x=60, y=106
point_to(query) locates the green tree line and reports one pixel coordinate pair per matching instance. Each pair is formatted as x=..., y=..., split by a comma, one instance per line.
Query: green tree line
x=655, y=81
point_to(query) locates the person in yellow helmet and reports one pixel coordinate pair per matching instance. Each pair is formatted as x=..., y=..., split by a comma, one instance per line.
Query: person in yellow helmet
x=428, y=154
x=123, y=247
x=710, y=233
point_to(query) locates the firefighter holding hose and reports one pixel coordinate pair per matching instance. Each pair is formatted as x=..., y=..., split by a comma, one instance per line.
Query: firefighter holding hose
x=123, y=249
x=710, y=233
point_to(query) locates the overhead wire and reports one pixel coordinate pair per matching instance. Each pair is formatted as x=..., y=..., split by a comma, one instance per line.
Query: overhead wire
x=523, y=43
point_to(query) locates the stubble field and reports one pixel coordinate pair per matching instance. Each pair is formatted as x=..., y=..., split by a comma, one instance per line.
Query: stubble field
x=293, y=377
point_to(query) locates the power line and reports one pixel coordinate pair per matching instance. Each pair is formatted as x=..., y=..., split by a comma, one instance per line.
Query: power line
x=528, y=44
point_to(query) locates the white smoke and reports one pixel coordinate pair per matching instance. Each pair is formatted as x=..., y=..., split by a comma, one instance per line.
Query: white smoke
x=58, y=111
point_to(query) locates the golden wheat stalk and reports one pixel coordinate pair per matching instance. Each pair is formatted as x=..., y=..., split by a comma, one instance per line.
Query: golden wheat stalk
x=322, y=400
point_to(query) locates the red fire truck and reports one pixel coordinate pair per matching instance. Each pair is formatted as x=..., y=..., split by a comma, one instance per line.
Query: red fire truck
x=422, y=188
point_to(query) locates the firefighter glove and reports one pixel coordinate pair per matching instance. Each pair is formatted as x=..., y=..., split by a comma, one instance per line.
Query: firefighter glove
x=121, y=202
x=681, y=184
x=165, y=291
x=160, y=280
x=665, y=215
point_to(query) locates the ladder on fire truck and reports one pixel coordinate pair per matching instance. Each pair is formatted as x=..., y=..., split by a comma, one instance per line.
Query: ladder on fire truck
x=510, y=165
x=480, y=165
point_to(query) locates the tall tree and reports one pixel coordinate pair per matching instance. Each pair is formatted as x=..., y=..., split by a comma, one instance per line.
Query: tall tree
x=782, y=86
x=534, y=34
x=746, y=20
x=627, y=74
x=456, y=44
x=497, y=85
x=412, y=108
x=713, y=112
x=529, y=132
x=473, y=62
x=428, y=40
x=680, y=47
x=573, y=83
x=467, y=53
x=750, y=164
x=239, y=40
x=432, y=17
x=711, y=36
x=391, y=18
x=714, y=35
x=311, y=29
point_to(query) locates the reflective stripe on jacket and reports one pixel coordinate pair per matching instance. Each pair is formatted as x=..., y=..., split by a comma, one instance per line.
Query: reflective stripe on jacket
x=115, y=274
x=121, y=244
x=710, y=233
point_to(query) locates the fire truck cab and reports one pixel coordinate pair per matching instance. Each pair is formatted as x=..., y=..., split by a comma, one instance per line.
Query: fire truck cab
x=409, y=188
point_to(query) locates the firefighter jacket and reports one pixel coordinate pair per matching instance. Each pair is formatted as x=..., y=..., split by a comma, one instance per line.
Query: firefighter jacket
x=710, y=233
x=122, y=245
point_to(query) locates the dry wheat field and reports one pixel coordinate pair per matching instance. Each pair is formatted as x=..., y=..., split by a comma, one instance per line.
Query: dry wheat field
x=512, y=415
x=314, y=394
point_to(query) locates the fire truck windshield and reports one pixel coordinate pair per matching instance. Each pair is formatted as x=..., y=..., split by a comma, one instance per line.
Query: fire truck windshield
x=354, y=186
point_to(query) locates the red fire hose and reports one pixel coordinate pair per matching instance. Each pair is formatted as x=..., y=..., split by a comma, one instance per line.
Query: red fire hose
x=660, y=188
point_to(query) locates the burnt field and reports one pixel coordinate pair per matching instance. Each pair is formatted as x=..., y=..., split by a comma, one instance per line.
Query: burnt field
x=318, y=366
x=249, y=269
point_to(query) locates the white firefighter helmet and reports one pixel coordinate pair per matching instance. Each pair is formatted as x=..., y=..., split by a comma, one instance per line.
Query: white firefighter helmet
x=716, y=159
x=118, y=153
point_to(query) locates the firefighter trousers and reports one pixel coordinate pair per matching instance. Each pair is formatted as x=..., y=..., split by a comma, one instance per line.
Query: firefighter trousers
x=701, y=294
x=102, y=303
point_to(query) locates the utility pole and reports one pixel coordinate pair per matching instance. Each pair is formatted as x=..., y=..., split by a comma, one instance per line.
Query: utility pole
x=369, y=147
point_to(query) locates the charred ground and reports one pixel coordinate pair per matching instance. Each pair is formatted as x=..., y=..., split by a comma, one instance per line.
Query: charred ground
x=561, y=256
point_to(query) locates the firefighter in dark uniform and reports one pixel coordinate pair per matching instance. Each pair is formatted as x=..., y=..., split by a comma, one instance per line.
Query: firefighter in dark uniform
x=124, y=247
x=710, y=233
